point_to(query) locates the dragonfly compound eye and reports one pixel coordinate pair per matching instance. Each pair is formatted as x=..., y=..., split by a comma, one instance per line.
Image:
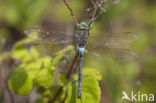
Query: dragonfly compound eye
x=82, y=26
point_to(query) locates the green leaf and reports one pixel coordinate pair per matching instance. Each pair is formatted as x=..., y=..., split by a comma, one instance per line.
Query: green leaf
x=20, y=52
x=46, y=61
x=20, y=82
x=45, y=77
x=62, y=80
x=3, y=56
x=23, y=54
x=90, y=88
x=74, y=93
x=60, y=55
x=22, y=42
x=32, y=69
x=40, y=100
x=52, y=90
x=33, y=52
x=91, y=73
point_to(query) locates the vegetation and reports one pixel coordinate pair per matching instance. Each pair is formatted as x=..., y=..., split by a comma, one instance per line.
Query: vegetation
x=24, y=70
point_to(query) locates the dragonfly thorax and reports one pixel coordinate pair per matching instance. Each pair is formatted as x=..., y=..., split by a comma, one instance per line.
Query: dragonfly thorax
x=82, y=36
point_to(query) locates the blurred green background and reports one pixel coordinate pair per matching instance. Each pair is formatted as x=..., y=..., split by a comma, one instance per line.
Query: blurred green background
x=129, y=15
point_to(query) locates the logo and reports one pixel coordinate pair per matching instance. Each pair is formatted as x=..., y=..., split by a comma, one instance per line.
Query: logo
x=140, y=97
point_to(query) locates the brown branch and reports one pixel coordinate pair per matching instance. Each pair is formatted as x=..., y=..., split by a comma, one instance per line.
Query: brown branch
x=115, y=2
x=92, y=16
x=64, y=99
x=57, y=94
x=71, y=11
x=98, y=9
x=68, y=75
x=98, y=6
x=95, y=13
x=72, y=66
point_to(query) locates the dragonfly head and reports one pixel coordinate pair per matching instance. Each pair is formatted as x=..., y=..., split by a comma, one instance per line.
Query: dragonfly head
x=83, y=23
x=82, y=26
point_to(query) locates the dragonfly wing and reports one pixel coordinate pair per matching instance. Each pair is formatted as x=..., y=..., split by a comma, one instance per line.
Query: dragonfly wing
x=48, y=43
x=54, y=38
x=45, y=49
x=112, y=54
x=118, y=40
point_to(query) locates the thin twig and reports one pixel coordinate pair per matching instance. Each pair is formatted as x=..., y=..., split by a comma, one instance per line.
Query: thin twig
x=91, y=20
x=96, y=6
x=97, y=9
x=57, y=94
x=64, y=98
x=72, y=66
x=68, y=75
x=115, y=2
x=71, y=11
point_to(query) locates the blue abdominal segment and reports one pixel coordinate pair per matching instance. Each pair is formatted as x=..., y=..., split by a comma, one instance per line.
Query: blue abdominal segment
x=81, y=50
x=79, y=91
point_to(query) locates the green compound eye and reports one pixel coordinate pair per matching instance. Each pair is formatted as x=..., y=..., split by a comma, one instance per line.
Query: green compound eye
x=86, y=27
x=79, y=26
x=82, y=26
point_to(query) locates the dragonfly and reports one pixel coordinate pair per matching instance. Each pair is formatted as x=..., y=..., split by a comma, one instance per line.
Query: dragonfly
x=111, y=47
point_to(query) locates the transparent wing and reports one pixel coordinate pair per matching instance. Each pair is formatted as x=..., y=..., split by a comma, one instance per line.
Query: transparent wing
x=54, y=38
x=48, y=43
x=111, y=54
x=45, y=49
x=117, y=40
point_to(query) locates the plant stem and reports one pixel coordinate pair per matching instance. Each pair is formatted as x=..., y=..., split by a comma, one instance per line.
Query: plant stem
x=71, y=11
x=68, y=75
